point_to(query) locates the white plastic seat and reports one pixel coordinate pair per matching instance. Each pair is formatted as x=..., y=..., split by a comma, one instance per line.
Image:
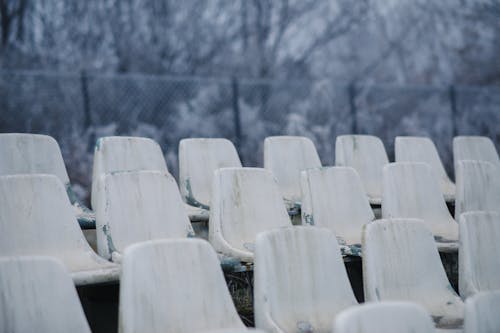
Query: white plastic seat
x=411, y=190
x=367, y=155
x=36, y=218
x=334, y=198
x=245, y=201
x=422, y=149
x=479, y=253
x=37, y=295
x=138, y=206
x=478, y=187
x=481, y=313
x=198, y=159
x=478, y=148
x=235, y=330
x=387, y=317
x=401, y=263
x=301, y=282
x=286, y=157
x=174, y=286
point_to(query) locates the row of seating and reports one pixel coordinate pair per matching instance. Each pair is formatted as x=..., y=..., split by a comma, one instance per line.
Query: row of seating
x=301, y=285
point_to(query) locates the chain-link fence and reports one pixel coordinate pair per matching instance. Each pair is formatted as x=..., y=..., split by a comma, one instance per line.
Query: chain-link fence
x=77, y=108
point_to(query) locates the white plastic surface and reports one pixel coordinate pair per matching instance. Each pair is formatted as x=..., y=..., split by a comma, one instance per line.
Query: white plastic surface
x=198, y=159
x=174, y=286
x=123, y=153
x=36, y=218
x=411, y=190
x=479, y=148
x=286, y=157
x=422, y=149
x=478, y=187
x=37, y=295
x=384, y=317
x=479, y=253
x=137, y=206
x=300, y=281
x=401, y=263
x=334, y=198
x=367, y=155
x=245, y=201
x=481, y=313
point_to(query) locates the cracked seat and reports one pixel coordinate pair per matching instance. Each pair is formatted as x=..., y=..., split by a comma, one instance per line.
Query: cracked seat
x=137, y=206
x=367, y=155
x=36, y=218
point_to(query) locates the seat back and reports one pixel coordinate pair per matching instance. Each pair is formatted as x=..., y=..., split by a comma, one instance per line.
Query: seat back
x=334, y=198
x=22, y=153
x=137, y=206
x=174, y=286
x=481, y=313
x=367, y=155
x=286, y=157
x=411, y=190
x=478, y=187
x=479, y=148
x=198, y=159
x=245, y=201
x=300, y=280
x=37, y=295
x=387, y=317
x=479, y=251
x=122, y=153
x=422, y=149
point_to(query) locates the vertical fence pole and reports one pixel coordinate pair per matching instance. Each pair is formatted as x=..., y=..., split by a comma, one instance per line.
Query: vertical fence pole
x=352, y=106
x=87, y=117
x=236, y=114
x=452, y=92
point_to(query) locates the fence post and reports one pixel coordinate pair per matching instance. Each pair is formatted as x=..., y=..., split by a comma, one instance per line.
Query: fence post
x=236, y=114
x=352, y=106
x=452, y=93
x=87, y=117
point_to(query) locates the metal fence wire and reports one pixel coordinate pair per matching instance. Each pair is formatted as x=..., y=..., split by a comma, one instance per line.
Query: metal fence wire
x=77, y=108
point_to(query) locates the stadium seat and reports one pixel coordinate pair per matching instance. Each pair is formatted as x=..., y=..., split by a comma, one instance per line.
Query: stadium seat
x=286, y=157
x=37, y=295
x=481, y=313
x=386, y=317
x=174, y=286
x=36, y=218
x=411, y=190
x=479, y=253
x=300, y=279
x=367, y=155
x=138, y=206
x=23, y=153
x=422, y=149
x=477, y=148
x=401, y=263
x=245, y=201
x=198, y=159
x=334, y=198
x=234, y=330
x=478, y=187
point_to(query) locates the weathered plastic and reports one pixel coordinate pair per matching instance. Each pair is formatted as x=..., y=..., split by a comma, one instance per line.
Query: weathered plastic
x=479, y=148
x=245, y=201
x=334, y=198
x=481, y=313
x=137, y=206
x=37, y=295
x=36, y=218
x=386, y=317
x=411, y=190
x=367, y=155
x=235, y=330
x=479, y=253
x=174, y=286
x=401, y=263
x=300, y=281
x=286, y=157
x=198, y=159
x=422, y=149
x=478, y=186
